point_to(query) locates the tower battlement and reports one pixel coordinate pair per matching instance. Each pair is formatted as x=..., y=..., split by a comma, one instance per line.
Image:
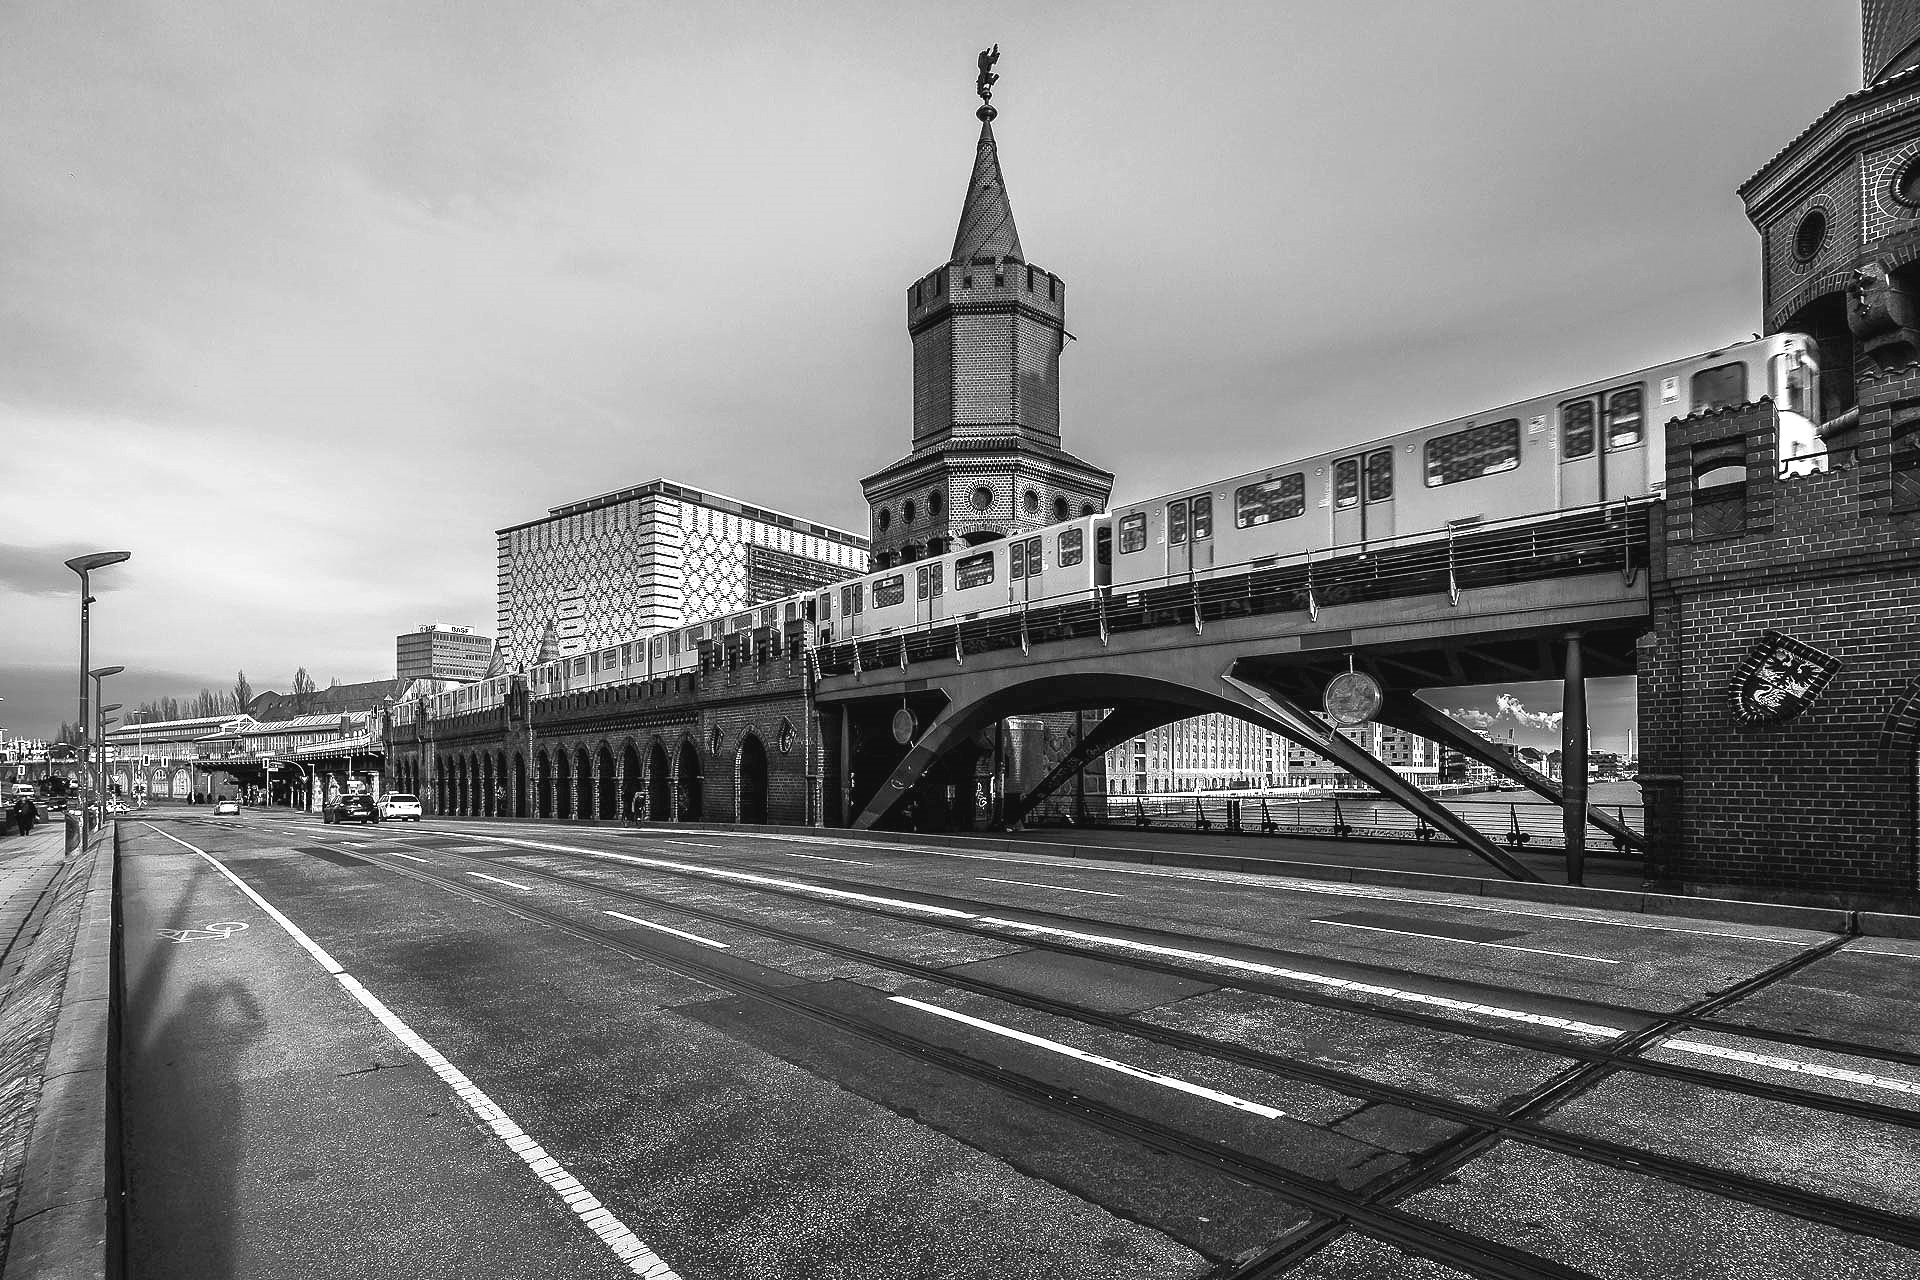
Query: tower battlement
x=988, y=285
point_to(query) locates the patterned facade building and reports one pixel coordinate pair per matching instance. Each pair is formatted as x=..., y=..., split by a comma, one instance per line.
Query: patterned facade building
x=622, y=565
x=988, y=328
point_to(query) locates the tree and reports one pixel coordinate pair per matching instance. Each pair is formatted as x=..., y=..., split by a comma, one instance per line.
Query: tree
x=242, y=692
x=302, y=692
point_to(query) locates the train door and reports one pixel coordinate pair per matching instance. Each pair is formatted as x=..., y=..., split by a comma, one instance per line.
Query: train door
x=1623, y=442
x=1362, y=497
x=1190, y=535
x=929, y=585
x=1023, y=555
x=1580, y=452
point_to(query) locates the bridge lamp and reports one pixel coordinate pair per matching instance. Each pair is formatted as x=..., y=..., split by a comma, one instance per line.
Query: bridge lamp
x=84, y=566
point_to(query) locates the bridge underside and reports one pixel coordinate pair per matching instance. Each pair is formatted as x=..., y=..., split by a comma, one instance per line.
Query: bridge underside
x=1156, y=657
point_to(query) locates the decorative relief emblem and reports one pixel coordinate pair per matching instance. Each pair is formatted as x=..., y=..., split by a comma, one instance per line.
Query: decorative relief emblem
x=714, y=741
x=784, y=740
x=1779, y=678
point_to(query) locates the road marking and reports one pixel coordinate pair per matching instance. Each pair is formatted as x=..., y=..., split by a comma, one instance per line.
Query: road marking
x=1791, y=1064
x=1569, y=1025
x=395, y=853
x=1869, y=951
x=817, y=858
x=626, y=1246
x=1441, y=937
x=1060, y=887
x=481, y=875
x=678, y=933
x=1054, y=1046
x=222, y=929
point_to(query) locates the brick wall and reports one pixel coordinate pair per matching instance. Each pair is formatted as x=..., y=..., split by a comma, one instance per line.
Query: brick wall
x=1825, y=802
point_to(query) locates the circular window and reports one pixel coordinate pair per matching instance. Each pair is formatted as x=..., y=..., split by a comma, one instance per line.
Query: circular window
x=934, y=504
x=1059, y=508
x=983, y=498
x=908, y=511
x=1906, y=183
x=885, y=519
x=1031, y=501
x=1810, y=236
x=1086, y=508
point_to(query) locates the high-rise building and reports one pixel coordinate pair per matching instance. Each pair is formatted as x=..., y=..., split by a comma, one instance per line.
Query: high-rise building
x=436, y=651
x=988, y=328
x=607, y=569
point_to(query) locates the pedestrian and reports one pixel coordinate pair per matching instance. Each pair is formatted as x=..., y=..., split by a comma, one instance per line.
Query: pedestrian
x=636, y=808
x=499, y=802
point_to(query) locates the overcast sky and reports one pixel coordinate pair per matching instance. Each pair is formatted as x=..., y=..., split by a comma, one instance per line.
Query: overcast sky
x=300, y=303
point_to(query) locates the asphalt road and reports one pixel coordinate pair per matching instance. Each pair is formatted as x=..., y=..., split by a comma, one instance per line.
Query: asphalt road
x=541, y=1050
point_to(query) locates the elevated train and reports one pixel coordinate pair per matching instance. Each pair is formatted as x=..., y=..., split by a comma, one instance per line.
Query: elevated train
x=1581, y=448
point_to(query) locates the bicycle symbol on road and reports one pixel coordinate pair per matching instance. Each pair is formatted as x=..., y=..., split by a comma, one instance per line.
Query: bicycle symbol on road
x=218, y=929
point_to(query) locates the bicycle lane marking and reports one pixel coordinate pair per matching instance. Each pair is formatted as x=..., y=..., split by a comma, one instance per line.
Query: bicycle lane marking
x=615, y=1234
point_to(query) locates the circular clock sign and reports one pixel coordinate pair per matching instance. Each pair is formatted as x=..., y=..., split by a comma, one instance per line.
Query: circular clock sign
x=1353, y=698
x=903, y=726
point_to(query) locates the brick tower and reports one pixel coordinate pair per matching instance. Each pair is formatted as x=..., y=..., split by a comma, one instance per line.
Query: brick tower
x=988, y=328
x=1780, y=686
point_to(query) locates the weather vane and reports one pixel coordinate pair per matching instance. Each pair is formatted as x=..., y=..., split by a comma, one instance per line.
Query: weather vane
x=984, y=86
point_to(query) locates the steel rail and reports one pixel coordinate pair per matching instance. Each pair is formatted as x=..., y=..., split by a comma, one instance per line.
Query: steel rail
x=1519, y=1123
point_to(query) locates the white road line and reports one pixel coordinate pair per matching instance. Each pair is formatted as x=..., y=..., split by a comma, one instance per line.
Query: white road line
x=625, y=1246
x=1382, y=991
x=1869, y=951
x=481, y=875
x=1060, y=887
x=678, y=933
x=1054, y=1046
x=1792, y=1064
x=1441, y=937
x=817, y=858
x=395, y=853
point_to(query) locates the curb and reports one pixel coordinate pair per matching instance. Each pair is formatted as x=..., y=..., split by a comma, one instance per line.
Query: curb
x=67, y=1218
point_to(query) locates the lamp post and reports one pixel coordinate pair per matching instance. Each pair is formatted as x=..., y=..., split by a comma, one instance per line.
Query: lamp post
x=84, y=566
x=106, y=786
x=100, y=738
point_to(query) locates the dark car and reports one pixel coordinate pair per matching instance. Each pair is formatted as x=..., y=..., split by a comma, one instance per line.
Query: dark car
x=354, y=808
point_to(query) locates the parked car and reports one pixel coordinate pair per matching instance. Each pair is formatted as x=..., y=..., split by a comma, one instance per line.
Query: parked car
x=354, y=808
x=226, y=806
x=398, y=806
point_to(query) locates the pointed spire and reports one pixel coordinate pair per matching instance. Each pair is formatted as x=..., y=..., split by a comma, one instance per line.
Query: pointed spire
x=549, y=645
x=986, y=220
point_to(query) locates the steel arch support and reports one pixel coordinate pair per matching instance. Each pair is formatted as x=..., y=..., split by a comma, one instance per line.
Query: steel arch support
x=1124, y=723
x=1403, y=710
x=1307, y=729
x=954, y=723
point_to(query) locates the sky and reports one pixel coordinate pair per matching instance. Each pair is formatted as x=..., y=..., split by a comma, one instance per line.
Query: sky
x=300, y=303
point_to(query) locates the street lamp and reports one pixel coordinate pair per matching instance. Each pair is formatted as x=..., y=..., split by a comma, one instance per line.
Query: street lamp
x=85, y=565
x=100, y=739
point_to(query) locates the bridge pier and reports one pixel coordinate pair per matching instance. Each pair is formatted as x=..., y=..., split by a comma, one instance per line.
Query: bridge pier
x=1573, y=760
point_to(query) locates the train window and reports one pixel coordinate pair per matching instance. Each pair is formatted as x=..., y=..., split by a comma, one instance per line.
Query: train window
x=853, y=598
x=1202, y=505
x=1018, y=560
x=1176, y=523
x=823, y=606
x=1103, y=545
x=939, y=578
x=1720, y=386
x=1380, y=475
x=888, y=592
x=973, y=571
x=1283, y=498
x=769, y=615
x=673, y=644
x=1346, y=482
x=1576, y=429
x=1033, y=557
x=1792, y=388
x=660, y=646
x=920, y=583
x=1624, y=418
x=1072, y=547
x=1133, y=532
x=579, y=666
x=1475, y=452
x=742, y=621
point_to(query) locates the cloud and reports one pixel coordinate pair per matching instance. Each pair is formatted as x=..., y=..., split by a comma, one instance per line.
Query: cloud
x=1515, y=710
x=1472, y=717
x=42, y=571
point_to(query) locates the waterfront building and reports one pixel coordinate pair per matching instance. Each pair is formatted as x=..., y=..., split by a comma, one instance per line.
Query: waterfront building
x=1413, y=757
x=608, y=569
x=436, y=651
x=1205, y=753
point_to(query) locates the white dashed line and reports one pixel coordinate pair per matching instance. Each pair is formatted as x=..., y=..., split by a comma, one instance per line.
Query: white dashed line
x=625, y=1246
x=395, y=853
x=814, y=857
x=1441, y=937
x=678, y=933
x=1054, y=1046
x=1346, y=985
x=1791, y=1064
x=1060, y=887
x=481, y=875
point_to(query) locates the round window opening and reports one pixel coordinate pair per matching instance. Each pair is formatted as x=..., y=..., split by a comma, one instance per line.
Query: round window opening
x=1810, y=236
x=886, y=518
x=934, y=502
x=1906, y=183
x=1059, y=508
x=1031, y=501
x=983, y=498
x=908, y=511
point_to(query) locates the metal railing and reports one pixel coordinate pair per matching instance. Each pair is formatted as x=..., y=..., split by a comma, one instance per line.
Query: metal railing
x=1356, y=815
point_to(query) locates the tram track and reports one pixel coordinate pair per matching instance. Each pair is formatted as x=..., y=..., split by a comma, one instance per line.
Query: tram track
x=1484, y=1127
x=1437, y=1242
